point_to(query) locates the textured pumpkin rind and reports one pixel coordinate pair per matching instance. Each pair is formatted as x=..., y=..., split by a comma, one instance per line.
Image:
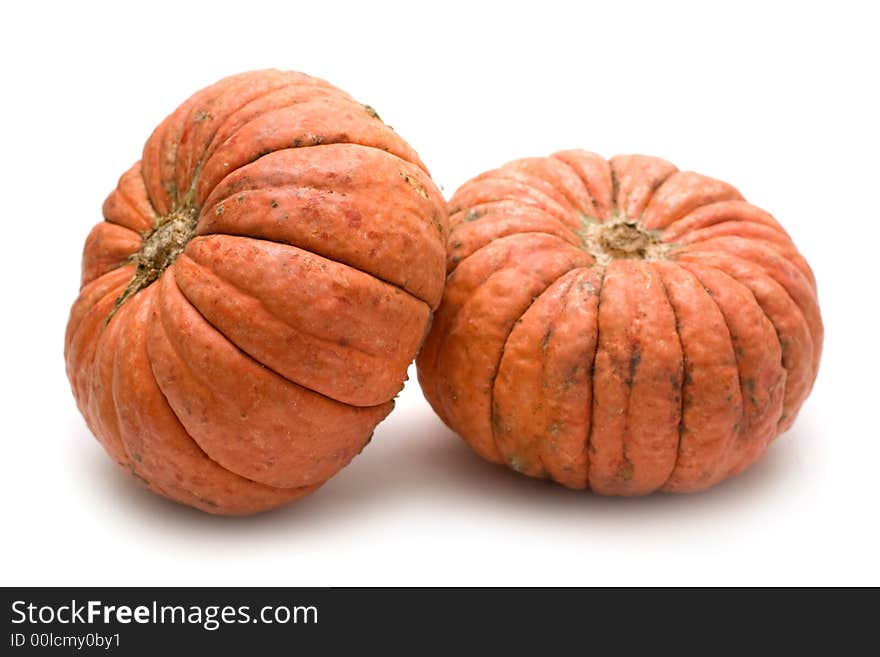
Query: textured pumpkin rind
x=259, y=362
x=672, y=372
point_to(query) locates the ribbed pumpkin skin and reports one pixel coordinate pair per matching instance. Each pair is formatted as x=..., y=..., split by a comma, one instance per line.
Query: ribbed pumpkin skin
x=258, y=363
x=667, y=369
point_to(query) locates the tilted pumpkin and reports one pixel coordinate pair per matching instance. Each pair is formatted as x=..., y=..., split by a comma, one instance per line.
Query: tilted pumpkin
x=619, y=325
x=249, y=306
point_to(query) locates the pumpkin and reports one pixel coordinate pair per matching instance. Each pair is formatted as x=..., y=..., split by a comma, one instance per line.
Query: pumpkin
x=619, y=325
x=250, y=303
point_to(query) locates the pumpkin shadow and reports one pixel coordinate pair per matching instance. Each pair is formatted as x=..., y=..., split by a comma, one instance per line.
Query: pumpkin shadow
x=436, y=471
x=432, y=470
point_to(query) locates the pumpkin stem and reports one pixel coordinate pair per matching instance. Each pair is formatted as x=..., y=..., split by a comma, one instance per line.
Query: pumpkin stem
x=162, y=245
x=621, y=239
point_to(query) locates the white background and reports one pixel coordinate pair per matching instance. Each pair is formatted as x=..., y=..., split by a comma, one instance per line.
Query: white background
x=781, y=99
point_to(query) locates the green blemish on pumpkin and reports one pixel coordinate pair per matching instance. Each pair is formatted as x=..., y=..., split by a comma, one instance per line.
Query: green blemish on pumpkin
x=415, y=184
x=473, y=215
x=586, y=286
x=219, y=210
x=749, y=385
x=545, y=341
x=203, y=116
x=626, y=470
x=571, y=377
x=171, y=188
x=497, y=424
x=739, y=425
x=138, y=477
x=274, y=203
x=634, y=360
x=373, y=113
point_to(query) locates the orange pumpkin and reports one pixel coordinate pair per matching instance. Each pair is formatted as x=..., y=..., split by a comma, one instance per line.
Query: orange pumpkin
x=250, y=303
x=619, y=325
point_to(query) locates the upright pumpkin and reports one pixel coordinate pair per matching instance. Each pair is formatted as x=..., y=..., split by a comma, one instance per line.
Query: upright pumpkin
x=619, y=325
x=250, y=303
